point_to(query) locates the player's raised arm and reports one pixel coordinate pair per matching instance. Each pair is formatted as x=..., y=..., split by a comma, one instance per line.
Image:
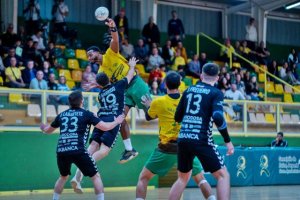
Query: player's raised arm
x=106, y=126
x=46, y=128
x=132, y=63
x=114, y=43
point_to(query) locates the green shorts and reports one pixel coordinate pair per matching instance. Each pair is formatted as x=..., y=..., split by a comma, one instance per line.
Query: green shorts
x=137, y=88
x=160, y=163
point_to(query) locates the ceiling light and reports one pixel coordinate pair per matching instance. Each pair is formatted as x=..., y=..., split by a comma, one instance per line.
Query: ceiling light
x=293, y=5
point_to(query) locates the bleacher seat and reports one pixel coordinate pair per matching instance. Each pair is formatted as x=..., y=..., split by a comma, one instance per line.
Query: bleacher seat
x=70, y=84
x=297, y=89
x=61, y=62
x=295, y=118
x=83, y=63
x=16, y=98
x=296, y=97
x=76, y=75
x=288, y=89
x=73, y=63
x=278, y=89
x=140, y=68
x=261, y=77
x=285, y=118
x=270, y=118
x=62, y=108
x=287, y=97
x=69, y=53
x=260, y=118
x=252, y=117
x=81, y=54
x=236, y=65
x=61, y=46
x=270, y=87
x=57, y=52
x=66, y=73
x=34, y=110
x=1, y=81
x=51, y=111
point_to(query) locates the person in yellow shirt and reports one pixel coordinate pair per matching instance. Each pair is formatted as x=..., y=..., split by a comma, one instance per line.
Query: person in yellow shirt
x=178, y=60
x=14, y=75
x=115, y=66
x=164, y=157
x=226, y=51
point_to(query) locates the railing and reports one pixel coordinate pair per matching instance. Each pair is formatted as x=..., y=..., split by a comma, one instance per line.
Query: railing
x=256, y=118
x=247, y=61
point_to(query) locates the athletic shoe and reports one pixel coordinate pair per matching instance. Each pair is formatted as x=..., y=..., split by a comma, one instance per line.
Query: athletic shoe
x=76, y=186
x=128, y=155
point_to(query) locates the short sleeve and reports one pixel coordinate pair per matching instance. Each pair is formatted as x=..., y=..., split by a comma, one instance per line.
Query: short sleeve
x=122, y=84
x=154, y=109
x=218, y=102
x=56, y=122
x=92, y=118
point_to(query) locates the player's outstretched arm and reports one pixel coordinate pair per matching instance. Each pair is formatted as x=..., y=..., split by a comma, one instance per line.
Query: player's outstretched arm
x=47, y=128
x=114, y=43
x=106, y=126
x=132, y=63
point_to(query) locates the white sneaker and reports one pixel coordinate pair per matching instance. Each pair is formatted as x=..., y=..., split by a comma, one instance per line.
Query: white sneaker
x=76, y=186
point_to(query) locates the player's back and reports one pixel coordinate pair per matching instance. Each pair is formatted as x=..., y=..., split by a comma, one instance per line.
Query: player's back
x=164, y=108
x=74, y=127
x=112, y=98
x=195, y=110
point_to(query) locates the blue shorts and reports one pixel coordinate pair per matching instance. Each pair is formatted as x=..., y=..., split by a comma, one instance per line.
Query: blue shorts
x=108, y=138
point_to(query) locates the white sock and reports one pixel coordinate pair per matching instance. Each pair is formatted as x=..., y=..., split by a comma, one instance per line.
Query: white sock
x=202, y=182
x=56, y=196
x=127, y=144
x=100, y=196
x=139, y=199
x=211, y=197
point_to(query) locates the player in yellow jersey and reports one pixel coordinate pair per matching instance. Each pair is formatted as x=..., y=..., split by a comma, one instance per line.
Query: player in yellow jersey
x=164, y=157
x=115, y=66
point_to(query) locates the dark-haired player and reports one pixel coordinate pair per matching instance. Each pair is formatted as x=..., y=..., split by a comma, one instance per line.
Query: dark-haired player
x=111, y=99
x=115, y=66
x=74, y=125
x=199, y=107
x=164, y=157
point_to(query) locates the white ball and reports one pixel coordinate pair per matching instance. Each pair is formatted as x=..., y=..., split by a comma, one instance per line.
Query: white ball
x=101, y=13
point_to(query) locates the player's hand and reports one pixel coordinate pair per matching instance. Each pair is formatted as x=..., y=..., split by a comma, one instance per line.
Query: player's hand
x=89, y=86
x=146, y=100
x=43, y=126
x=120, y=118
x=230, y=148
x=132, y=62
x=110, y=23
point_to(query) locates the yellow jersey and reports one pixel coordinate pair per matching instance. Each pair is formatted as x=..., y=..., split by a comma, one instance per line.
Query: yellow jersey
x=114, y=65
x=164, y=109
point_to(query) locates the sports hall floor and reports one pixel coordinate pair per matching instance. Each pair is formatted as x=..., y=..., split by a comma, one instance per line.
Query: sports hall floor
x=237, y=193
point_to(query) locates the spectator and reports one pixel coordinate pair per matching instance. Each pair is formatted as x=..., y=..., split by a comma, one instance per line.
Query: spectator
x=141, y=52
x=122, y=21
x=62, y=86
x=292, y=58
x=59, y=12
x=28, y=73
x=252, y=89
x=9, y=38
x=262, y=54
x=251, y=34
x=167, y=53
x=37, y=37
x=240, y=84
x=154, y=89
x=38, y=83
x=2, y=49
x=46, y=70
x=155, y=75
x=151, y=32
x=13, y=75
x=226, y=51
x=19, y=48
x=291, y=79
x=12, y=54
x=273, y=69
x=87, y=77
x=28, y=50
x=234, y=94
x=127, y=49
x=202, y=60
x=223, y=84
x=283, y=71
x=2, y=69
x=247, y=53
x=52, y=85
x=182, y=50
x=175, y=40
x=22, y=35
x=175, y=27
x=178, y=60
x=194, y=69
x=279, y=141
x=154, y=60
x=32, y=17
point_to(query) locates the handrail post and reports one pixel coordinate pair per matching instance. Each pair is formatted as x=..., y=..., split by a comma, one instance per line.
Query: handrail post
x=230, y=58
x=44, y=106
x=245, y=120
x=198, y=44
x=278, y=117
x=265, y=83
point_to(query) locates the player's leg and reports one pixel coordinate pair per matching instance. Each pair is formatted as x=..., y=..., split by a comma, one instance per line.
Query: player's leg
x=158, y=163
x=64, y=165
x=141, y=188
x=93, y=147
x=200, y=180
x=223, y=184
x=179, y=185
x=101, y=153
x=98, y=186
x=59, y=186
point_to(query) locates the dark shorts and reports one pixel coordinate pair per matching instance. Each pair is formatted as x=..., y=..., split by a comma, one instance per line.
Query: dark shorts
x=108, y=138
x=208, y=155
x=83, y=161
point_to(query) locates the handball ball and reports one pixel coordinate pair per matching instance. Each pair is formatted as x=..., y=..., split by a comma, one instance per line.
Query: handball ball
x=101, y=13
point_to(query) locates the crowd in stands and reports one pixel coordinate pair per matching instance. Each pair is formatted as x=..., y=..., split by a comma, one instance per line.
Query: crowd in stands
x=30, y=59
